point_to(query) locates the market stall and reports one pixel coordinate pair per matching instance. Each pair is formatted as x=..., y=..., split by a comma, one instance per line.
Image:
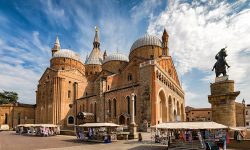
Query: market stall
x=38, y=129
x=205, y=134
x=97, y=132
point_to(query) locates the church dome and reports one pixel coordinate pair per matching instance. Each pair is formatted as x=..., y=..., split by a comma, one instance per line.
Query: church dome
x=146, y=40
x=67, y=54
x=116, y=56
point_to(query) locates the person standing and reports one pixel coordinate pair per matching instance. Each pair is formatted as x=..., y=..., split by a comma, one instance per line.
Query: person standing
x=140, y=137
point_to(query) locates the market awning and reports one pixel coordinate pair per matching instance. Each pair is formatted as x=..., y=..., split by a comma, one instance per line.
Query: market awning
x=190, y=125
x=99, y=125
x=238, y=128
x=37, y=125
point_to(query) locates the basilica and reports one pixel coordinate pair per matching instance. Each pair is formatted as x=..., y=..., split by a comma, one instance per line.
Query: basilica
x=105, y=85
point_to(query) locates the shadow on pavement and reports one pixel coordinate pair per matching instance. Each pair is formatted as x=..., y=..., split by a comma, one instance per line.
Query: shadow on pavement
x=79, y=141
x=147, y=147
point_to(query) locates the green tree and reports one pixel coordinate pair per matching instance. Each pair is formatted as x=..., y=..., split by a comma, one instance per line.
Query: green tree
x=7, y=97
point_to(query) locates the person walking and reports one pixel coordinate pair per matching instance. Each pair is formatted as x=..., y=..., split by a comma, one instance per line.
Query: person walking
x=140, y=137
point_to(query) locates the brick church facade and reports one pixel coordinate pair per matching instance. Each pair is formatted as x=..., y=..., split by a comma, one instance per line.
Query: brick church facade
x=104, y=84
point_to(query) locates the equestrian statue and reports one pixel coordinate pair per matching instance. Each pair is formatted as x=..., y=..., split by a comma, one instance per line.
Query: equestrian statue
x=221, y=63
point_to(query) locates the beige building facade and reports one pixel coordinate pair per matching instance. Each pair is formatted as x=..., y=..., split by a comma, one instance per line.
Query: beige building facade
x=14, y=114
x=104, y=84
x=198, y=114
x=247, y=115
x=205, y=114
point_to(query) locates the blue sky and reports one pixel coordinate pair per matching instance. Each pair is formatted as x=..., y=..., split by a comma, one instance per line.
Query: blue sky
x=197, y=29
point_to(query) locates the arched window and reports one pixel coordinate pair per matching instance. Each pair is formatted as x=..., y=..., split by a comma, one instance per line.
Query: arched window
x=110, y=105
x=6, y=119
x=135, y=105
x=91, y=108
x=71, y=120
x=19, y=118
x=114, y=102
x=69, y=93
x=128, y=104
x=130, y=77
x=95, y=108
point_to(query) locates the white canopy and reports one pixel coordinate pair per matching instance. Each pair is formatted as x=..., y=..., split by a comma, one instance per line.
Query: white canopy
x=238, y=128
x=99, y=125
x=190, y=125
x=37, y=125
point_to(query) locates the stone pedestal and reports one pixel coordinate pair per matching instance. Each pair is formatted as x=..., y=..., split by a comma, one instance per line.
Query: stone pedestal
x=133, y=131
x=222, y=100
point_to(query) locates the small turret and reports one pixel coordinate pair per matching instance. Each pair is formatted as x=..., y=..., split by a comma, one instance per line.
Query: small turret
x=104, y=55
x=165, y=51
x=56, y=47
x=87, y=57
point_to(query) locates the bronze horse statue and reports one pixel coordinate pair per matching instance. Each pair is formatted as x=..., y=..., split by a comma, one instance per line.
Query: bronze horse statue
x=221, y=63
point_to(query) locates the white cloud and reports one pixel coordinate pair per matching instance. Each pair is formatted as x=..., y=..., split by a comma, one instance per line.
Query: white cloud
x=38, y=44
x=21, y=65
x=198, y=31
x=55, y=14
x=115, y=30
x=21, y=80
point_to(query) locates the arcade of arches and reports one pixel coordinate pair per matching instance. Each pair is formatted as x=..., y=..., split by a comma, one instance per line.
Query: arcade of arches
x=169, y=108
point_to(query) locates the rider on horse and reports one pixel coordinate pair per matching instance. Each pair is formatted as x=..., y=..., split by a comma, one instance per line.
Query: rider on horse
x=220, y=65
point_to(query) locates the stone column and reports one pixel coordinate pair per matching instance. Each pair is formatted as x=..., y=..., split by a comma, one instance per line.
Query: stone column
x=222, y=100
x=133, y=127
x=133, y=109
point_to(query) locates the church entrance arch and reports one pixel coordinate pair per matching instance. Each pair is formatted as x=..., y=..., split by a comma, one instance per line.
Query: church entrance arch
x=178, y=111
x=170, y=109
x=121, y=119
x=175, y=115
x=163, y=113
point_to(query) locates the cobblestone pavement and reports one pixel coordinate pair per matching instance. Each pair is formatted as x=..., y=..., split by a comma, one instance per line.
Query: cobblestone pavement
x=9, y=140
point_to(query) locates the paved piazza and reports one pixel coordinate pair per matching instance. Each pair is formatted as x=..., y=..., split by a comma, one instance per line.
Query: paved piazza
x=9, y=140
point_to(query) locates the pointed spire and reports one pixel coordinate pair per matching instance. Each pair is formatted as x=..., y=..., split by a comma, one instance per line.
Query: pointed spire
x=165, y=31
x=57, y=46
x=57, y=40
x=96, y=42
x=165, y=35
x=95, y=57
x=104, y=55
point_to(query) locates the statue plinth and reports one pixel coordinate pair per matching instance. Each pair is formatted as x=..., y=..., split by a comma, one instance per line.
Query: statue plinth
x=222, y=100
x=133, y=131
x=222, y=78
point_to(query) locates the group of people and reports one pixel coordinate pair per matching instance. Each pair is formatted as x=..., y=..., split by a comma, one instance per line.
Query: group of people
x=38, y=130
x=239, y=135
x=207, y=138
x=81, y=135
x=93, y=134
